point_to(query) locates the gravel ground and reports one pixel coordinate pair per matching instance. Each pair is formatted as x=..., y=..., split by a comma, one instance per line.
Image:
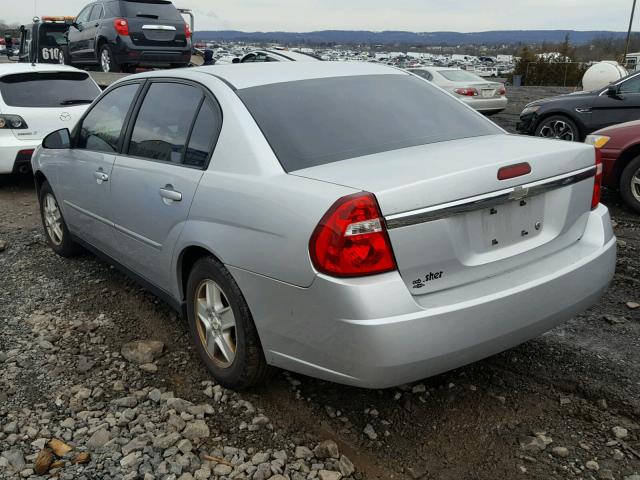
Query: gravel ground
x=566, y=405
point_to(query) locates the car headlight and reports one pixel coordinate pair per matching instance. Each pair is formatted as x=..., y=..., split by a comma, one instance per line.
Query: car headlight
x=597, y=141
x=528, y=110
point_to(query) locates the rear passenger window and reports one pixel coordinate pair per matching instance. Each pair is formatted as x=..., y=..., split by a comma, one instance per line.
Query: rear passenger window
x=101, y=128
x=204, y=135
x=163, y=123
x=96, y=13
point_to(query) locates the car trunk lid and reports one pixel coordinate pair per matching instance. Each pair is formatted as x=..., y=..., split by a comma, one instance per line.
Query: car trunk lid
x=452, y=222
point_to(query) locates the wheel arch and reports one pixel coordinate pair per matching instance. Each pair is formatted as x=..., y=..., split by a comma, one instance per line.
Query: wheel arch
x=560, y=113
x=186, y=260
x=40, y=178
x=627, y=155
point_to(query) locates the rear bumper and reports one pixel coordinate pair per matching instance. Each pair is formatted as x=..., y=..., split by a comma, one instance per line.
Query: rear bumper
x=127, y=53
x=14, y=157
x=486, y=104
x=371, y=332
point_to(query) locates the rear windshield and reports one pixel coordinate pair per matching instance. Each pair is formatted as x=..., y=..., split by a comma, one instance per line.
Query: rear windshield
x=50, y=89
x=160, y=10
x=319, y=121
x=460, y=76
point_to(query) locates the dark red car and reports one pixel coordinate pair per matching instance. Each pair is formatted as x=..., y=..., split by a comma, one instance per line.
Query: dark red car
x=620, y=147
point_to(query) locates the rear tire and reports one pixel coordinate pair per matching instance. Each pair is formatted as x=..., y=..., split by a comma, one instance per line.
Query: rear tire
x=55, y=228
x=630, y=184
x=64, y=55
x=558, y=127
x=106, y=61
x=222, y=327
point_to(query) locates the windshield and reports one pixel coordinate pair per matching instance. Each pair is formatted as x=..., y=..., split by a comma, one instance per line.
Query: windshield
x=460, y=76
x=150, y=9
x=319, y=121
x=47, y=89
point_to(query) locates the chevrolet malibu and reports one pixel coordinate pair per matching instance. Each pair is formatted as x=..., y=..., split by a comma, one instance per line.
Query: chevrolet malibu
x=347, y=221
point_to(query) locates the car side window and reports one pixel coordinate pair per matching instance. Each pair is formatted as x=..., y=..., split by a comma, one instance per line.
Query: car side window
x=203, y=135
x=164, y=121
x=101, y=128
x=631, y=86
x=423, y=73
x=269, y=58
x=83, y=16
x=96, y=13
x=249, y=58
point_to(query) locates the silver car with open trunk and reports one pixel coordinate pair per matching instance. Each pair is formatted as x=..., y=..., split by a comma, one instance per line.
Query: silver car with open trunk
x=343, y=220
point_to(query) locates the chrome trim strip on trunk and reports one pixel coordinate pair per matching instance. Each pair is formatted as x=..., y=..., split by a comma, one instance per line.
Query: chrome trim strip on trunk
x=487, y=200
x=159, y=27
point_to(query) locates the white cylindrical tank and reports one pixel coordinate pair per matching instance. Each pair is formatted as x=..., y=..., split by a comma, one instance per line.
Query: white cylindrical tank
x=602, y=74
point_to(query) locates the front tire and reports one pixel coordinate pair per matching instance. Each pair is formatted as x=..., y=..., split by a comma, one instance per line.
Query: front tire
x=55, y=228
x=558, y=127
x=222, y=327
x=106, y=60
x=630, y=184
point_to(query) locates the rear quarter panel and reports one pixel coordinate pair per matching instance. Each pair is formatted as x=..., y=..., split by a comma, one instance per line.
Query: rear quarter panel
x=247, y=211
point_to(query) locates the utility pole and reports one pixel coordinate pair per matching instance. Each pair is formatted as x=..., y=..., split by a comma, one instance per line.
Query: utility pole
x=626, y=48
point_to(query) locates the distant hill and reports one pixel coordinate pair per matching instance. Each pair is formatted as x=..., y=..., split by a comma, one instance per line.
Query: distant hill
x=496, y=37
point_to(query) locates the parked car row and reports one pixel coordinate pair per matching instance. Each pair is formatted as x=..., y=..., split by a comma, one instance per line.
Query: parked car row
x=314, y=216
x=607, y=117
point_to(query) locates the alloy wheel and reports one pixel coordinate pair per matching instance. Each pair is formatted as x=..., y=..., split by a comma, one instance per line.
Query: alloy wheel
x=557, y=129
x=216, y=323
x=53, y=219
x=635, y=185
x=105, y=60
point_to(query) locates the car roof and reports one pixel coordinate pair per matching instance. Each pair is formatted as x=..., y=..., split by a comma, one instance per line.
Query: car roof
x=247, y=75
x=13, y=68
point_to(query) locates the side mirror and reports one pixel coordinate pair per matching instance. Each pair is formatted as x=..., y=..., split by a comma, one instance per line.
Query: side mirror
x=58, y=140
x=613, y=90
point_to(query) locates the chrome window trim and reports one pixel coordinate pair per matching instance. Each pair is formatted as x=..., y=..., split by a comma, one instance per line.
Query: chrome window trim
x=487, y=200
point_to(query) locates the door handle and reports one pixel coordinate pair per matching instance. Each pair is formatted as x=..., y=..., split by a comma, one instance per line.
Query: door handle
x=168, y=193
x=101, y=176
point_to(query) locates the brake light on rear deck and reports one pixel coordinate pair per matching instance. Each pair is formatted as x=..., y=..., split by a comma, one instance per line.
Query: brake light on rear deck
x=351, y=240
x=122, y=26
x=513, y=171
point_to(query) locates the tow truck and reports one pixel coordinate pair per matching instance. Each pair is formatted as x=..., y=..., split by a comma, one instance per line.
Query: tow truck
x=41, y=41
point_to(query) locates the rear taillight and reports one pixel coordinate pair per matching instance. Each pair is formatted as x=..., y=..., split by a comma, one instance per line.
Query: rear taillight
x=12, y=122
x=501, y=91
x=467, y=92
x=598, y=141
x=351, y=240
x=597, y=182
x=187, y=31
x=122, y=26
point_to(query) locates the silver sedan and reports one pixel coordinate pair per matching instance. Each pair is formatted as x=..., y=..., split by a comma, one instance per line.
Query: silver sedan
x=347, y=221
x=485, y=96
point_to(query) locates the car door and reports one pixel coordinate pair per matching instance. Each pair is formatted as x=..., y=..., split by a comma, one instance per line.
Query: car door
x=85, y=177
x=77, y=40
x=156, y=176
x=613, y=109
x=91, y=31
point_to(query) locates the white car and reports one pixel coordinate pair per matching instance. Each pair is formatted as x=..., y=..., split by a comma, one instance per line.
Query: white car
x=485, y=96
x=36, y=100
x=278, y=56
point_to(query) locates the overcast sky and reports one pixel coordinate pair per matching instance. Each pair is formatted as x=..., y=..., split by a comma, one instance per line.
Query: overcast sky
x=412, y=15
